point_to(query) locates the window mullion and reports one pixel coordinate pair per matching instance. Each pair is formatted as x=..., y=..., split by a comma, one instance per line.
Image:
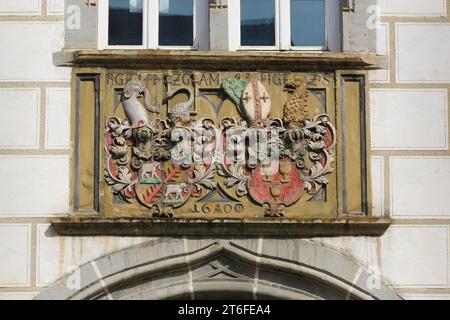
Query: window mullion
x=333, y=25
x=145, y=28
x=152, y=25
x=234, y=25
x=103, y=17
x=201, y=27
x=284, y=18
x=195, y=10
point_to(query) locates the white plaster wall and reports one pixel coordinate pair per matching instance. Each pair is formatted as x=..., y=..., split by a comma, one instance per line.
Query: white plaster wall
x=34, y=143
x=57, y=256
x=426, y=296
x=415, y=256
x=422, y=52
x=412, y=8
x=34, y=185
x=377, y=165
x=57, y=118
x=17, y=295
x=15, y=251
x=55, y=7
x=409, y=119
x=410, y=165
x=20, y=113
x=382, y=44
x=54, y=255
x=30, y=45
x=420, y=187
x=20, y=7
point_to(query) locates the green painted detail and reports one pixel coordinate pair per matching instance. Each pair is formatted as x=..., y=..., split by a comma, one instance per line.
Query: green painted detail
x=234, y=88
x=173, y=201
x=150, y=181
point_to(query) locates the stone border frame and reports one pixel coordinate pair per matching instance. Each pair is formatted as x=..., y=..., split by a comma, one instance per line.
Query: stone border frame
x=150, y=268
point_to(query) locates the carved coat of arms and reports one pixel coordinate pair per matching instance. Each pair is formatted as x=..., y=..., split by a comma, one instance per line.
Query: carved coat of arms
x=173, y=162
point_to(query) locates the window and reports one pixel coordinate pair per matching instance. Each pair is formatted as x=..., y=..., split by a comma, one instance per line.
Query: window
x=308, y=23
x=257, y=22
x=176, y=22
x=125, y=25
x=152, y=24
x=284, y=25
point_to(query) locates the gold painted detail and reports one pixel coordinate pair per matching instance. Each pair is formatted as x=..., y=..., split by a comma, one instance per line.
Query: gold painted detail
x=296, y=108
x=173, y=165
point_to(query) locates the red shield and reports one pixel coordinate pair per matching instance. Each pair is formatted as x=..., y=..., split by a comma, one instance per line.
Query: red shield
x=283, y=187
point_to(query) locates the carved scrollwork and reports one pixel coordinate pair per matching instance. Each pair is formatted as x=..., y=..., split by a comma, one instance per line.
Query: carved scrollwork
x=163, y=164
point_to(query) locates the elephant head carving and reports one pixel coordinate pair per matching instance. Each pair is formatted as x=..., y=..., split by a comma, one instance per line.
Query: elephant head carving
x=135, y=111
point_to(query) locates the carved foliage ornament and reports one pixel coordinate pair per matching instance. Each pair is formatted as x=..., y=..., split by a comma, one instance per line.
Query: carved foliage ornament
x=163, y=164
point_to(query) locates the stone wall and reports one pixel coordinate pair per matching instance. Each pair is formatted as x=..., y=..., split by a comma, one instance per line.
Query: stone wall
x=410, y=163
x=34, y=143
x=409, y=135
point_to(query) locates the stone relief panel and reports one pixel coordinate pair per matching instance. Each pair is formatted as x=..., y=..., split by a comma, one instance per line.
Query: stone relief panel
x=221, y=145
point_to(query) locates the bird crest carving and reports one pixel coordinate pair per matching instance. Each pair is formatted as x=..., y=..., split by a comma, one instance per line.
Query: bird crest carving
x=295, y=109
x=170, y=163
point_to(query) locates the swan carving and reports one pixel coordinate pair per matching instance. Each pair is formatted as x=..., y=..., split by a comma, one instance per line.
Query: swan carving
x=180, y=111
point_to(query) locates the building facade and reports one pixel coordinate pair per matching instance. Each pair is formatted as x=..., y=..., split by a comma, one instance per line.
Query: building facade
x=103, y=205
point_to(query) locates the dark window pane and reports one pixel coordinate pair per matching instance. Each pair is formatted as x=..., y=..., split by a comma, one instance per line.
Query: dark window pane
x=176, y=23
x=308, y=22
x=257, y=22
x=125, y=22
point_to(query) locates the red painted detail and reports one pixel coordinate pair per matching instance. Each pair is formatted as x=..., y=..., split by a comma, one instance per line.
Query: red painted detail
x=131, y=142
x=113, y=168
x=130, y=192
x=329, y=138
x=260, y=190
x=153, y=192
x=257, y=100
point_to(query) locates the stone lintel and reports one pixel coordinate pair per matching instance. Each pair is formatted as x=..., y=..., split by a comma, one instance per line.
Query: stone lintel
x=347, y=226
x=219, y=60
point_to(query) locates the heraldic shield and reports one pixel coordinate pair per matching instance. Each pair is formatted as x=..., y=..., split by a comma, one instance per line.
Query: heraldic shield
x=261, y=159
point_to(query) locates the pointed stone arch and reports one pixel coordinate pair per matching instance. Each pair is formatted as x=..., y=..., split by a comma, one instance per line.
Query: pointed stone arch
x=222, y=269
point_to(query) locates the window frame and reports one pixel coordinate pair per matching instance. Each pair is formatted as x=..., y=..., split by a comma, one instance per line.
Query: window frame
x=283, y=28
x=150, y=25
x=277, y=29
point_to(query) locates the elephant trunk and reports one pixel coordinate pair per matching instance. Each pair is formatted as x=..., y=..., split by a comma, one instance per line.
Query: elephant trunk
x=154, y=109
x=146, y=98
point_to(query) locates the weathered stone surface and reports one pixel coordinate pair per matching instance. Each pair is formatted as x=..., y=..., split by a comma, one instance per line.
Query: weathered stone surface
x=218, y=29
x=415, y=256
x=362, y=249
x=418, y=296
x=228, y=265
x=81, y=25
x=295, y=60
x=382, y=45
x=17, y=295
x=15, y=250
x=238, y=227
x=359, y=34
x=55, y=255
